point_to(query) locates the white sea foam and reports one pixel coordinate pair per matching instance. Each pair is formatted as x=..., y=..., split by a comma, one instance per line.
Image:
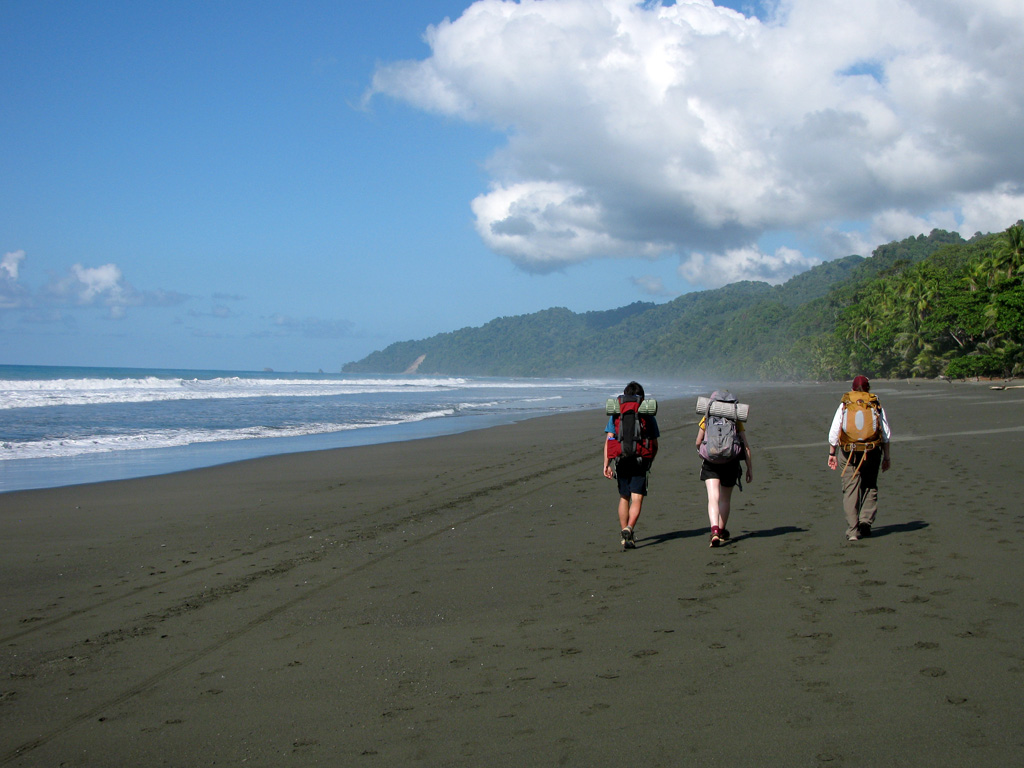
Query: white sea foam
x=38, y=393
x=172, y=438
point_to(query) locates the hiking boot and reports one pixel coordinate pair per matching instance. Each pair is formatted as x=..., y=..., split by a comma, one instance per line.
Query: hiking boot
x=716, y=540
x=864, y=530
x=628, y=541
x=724, y=534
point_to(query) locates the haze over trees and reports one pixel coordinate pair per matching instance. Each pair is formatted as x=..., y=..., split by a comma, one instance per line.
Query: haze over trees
x=928, y=306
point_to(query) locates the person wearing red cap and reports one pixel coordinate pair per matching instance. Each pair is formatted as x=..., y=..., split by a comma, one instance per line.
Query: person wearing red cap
x=860, y=473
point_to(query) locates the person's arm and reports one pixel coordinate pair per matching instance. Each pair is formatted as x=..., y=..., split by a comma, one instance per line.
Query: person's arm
x=746, y=454
x=886, y=434
x=833, y=438
x=607, y=471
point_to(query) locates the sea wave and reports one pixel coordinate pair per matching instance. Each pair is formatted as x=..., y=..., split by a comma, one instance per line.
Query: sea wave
x=40, y=393
x=68, y=447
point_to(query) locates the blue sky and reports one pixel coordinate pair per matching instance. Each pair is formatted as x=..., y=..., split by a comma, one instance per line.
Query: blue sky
x=240, y=185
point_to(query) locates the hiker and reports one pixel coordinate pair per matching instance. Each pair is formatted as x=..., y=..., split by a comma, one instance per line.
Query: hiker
x=860, y=429
x=628, y=457
x=722, y=444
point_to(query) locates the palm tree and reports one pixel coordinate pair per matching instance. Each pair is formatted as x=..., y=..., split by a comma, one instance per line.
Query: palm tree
x=982, y=273
x=909, y=346
x=991, y=315
x=927, y=361
x=1009, y=252
x=920, y=292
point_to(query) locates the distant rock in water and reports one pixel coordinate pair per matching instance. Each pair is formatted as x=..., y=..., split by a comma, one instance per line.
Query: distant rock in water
x=268, y=370
x=415, y=364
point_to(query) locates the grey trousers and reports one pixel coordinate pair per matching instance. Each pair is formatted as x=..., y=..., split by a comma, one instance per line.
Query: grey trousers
x=860, y=490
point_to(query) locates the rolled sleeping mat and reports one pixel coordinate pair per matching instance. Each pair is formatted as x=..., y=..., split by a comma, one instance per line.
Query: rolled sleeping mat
x=648, y=407
x=734, y=411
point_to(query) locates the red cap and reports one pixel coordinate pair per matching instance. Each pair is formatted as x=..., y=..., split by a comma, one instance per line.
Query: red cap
x=860, y=384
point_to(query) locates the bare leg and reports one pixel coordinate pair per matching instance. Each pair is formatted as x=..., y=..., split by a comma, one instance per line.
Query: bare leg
x=714, y=487
x=719, y=505
x=724, y=506
x=635, y=502
x=623, y=512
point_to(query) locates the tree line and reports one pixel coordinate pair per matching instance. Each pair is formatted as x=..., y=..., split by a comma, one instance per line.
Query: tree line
x=928, y=306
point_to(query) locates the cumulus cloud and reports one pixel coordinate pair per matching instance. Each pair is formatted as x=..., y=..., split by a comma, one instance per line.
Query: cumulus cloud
x=12, y=293
x=87, y=286
x=80, y=286
x=105, y=286
x=715, y=270
x=638, y=129
x=10, y=264
x=992, y=210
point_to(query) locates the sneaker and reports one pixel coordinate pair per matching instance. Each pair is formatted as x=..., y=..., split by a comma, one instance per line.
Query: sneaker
x=716, y=540
x=627, y=539
x=852, y=537
x=724, y=534
x=864, y=530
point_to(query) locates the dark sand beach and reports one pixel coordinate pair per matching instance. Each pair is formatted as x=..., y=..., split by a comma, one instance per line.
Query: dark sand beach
x=463, y=601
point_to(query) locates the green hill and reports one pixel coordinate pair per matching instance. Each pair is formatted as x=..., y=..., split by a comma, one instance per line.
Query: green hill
x=915, y=307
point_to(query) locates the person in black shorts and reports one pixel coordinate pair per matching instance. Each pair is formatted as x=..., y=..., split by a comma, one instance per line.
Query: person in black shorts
x=631, y=474
x=720, y=479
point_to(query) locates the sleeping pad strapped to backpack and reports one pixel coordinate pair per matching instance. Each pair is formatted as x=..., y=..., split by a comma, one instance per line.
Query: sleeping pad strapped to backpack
x=721, y=441
x=632, y=441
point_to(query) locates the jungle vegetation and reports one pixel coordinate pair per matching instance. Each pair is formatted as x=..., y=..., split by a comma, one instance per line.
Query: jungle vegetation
x=928, y=306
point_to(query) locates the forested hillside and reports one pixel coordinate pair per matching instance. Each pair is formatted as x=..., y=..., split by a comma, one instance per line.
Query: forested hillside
x=925, y=306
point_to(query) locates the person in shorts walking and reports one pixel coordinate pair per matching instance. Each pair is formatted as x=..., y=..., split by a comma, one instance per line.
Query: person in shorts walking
x=630, y=472
x=719, y=479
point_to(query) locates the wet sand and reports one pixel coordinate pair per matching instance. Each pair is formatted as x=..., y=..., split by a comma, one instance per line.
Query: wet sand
x=463, y=601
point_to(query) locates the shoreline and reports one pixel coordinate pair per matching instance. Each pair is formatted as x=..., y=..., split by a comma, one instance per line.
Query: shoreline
x=40, y=473
x=462, y=600
x=111, y=466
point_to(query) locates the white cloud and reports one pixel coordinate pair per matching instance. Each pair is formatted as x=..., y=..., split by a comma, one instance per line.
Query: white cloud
x=104, y=286
x=10, y=263
x=91, y=286
x=545, y=226
x=718, y=269
x=640, y=129
x=80, y=286
x=651, y=285
x=12, y=294
x=993, y=210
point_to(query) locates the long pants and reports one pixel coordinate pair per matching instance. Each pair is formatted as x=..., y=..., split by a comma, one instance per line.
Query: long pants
x=860, y=490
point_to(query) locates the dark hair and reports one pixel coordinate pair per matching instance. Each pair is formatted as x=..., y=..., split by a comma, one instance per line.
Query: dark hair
x=633, y=389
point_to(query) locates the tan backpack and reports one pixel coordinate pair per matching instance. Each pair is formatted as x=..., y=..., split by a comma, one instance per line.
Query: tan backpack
x=861, y=427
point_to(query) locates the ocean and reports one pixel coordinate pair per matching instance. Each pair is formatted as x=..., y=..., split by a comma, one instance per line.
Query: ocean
x=64, y=426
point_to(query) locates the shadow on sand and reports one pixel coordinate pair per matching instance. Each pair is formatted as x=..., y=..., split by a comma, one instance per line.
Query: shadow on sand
x=767, y=533
x=885, y=530
x=661, y=538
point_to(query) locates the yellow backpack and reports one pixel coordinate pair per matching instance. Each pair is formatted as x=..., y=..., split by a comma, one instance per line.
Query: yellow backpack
x=861, y=427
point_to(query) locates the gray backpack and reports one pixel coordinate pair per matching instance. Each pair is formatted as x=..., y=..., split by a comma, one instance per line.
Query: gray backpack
x=721, y=441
